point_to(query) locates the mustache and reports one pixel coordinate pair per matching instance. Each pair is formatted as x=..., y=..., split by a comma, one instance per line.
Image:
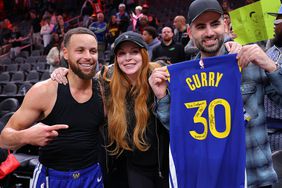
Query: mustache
x=209, y=37
x=90, y=61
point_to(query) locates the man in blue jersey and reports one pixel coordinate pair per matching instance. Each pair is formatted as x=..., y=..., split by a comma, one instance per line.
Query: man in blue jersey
x=261, y=76
x=70, y=116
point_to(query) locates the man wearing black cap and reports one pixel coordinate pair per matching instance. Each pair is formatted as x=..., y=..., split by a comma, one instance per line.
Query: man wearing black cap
x=261, y=76
x=274, y=112
x=277, y=29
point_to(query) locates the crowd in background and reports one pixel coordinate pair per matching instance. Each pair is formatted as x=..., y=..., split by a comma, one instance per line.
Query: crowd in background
x=43, y=24
x=162, y=24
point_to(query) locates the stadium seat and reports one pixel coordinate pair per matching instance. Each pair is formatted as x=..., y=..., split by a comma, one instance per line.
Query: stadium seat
x=23, y=88
x=8, y=105
x=25, y=67
x=39, y=66
x=5, y=118
x=31, y=59
x=2, y=67
x=9, y=89
x=45, y=75
x=33, y=76
x=20, y=60
x=18, y=77
x=12, y=67
x=35, y=53
x=4, y=77
x=6, y=61
x=42, y=59
x=24, y=54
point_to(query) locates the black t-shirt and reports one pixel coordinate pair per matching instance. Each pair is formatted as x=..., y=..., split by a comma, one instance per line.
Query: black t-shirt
x=174, y=51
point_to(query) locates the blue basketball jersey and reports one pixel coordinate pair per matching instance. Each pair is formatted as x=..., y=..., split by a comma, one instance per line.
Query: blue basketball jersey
x=207, y=132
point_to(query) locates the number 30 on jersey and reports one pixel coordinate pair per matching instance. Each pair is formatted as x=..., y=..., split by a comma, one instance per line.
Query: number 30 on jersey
x=198, y=118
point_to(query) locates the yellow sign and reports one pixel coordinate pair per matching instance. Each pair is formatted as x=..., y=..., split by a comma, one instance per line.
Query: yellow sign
x=251, y=23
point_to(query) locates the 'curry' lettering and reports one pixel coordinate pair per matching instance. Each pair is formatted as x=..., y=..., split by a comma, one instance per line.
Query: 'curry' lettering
x=204, y=79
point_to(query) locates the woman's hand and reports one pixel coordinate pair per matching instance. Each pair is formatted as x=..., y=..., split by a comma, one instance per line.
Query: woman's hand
x=157, y=81
x=59, y=75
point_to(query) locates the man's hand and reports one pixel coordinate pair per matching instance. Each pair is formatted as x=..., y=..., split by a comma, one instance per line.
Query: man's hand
x=233, y=47
x=253, y=53
x=41, y=134
x=157, y=81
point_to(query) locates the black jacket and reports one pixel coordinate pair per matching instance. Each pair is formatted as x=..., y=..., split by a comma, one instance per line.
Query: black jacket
x=115, y=168
x=174, y=51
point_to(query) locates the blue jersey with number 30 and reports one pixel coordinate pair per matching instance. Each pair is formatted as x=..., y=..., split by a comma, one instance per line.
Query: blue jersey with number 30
x=207, y=132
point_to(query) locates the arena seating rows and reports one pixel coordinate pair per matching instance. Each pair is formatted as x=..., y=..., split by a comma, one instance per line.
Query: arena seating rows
x=19, y=74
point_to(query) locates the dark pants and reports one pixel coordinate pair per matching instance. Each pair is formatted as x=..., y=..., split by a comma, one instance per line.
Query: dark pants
x=138, y=180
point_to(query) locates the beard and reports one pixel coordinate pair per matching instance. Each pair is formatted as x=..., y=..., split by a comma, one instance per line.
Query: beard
x=80, y=73
x=277, y=41
x=167, y=39
x=210, y=49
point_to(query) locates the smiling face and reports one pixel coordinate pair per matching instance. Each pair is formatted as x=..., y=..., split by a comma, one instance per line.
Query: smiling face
x=207, y=32
x=81, y=54
x=129, y=59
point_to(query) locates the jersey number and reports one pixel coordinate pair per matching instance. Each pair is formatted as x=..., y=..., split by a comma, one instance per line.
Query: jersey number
x=201, y=105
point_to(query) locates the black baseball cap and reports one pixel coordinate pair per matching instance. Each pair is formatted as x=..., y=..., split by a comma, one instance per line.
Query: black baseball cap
x=131, y=37
x=198, y=7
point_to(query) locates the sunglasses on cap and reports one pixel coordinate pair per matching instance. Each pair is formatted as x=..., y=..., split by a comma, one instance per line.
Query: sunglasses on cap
x=278, y=21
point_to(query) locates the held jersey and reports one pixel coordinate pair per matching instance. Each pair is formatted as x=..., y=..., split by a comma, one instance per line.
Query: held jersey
x=207, y=132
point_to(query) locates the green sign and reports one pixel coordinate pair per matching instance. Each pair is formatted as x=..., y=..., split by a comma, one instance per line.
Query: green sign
x=251, y=23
